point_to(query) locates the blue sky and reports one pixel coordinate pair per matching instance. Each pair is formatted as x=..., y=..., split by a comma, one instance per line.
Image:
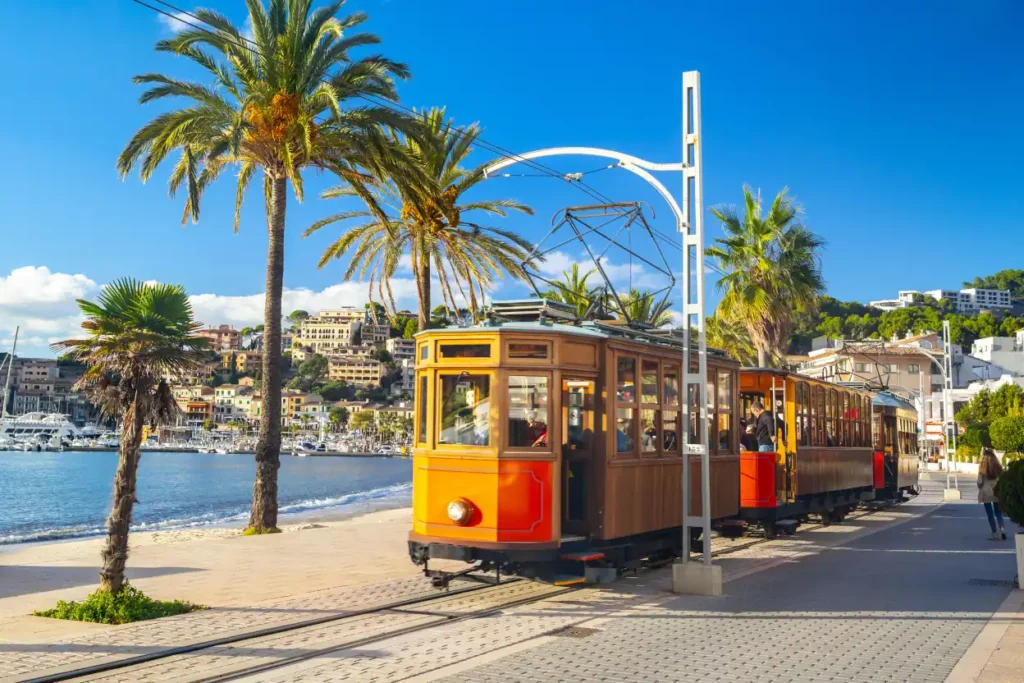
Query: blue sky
x=896, y=125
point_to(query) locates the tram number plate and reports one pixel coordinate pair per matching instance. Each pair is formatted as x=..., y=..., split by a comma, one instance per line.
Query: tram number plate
x=694, y=449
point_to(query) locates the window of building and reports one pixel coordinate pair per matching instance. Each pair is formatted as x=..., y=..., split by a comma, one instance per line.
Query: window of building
x=464, y=407
x=913, y=368
x=527, y=411
x=539, y=350
x=465, y=351
x=860, y=367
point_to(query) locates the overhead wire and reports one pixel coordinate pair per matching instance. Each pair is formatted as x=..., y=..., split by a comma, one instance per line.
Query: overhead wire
x=546, y=171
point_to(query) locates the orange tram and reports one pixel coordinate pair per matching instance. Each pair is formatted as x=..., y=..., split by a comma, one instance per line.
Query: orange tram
x=551, y=449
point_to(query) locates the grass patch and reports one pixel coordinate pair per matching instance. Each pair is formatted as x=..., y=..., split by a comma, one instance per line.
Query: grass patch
x=127, y=606
x=259, y=531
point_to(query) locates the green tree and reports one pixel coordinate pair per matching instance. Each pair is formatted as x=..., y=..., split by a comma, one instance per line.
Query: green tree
x=642, y=306
x=1008, y=434
x=312, y=371
x=135, y=335
x=361, y=420
x=574, y=290
x=296, y=317
x=209, y=425
x=338, y=417
x=423, y=213
x=1011, y=279
x=290, y=100
x=732, y=339
x=772, y=270
x=412, y=326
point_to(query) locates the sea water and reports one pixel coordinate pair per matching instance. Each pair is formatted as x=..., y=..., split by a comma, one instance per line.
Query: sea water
x=49, y=496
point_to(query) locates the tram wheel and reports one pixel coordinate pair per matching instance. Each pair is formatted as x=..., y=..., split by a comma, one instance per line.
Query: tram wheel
x=771, y=532
x=827, y=517
x=839, y=514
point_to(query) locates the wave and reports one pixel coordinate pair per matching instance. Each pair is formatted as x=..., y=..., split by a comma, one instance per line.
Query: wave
x=383, y=496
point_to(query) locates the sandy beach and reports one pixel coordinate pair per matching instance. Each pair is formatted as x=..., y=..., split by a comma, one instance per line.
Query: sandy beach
x=214, y=566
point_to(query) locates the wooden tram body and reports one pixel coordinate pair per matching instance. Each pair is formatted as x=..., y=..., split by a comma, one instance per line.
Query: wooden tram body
x=605, y=482
x=541, y=448
x=894, y=430
x=823, y=462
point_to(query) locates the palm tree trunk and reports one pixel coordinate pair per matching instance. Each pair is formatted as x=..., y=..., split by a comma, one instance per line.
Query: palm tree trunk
x=115, y=553
x=263, y=516
x=423, y=291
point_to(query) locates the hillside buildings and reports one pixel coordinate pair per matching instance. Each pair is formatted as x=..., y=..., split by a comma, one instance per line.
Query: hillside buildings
x=222, y=338
x=967, y=301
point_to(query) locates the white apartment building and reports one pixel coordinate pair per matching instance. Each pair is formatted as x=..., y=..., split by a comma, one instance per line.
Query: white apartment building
x=966, y=300
x=327, y=333
x=363, y=372
x=227, y=405
x=401, y=349
x=407, y=383
x=1006, y=354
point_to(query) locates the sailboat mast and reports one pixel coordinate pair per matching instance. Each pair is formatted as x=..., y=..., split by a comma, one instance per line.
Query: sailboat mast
x=10, y=364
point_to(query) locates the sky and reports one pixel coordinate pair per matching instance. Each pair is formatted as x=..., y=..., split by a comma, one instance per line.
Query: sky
x=897, y=127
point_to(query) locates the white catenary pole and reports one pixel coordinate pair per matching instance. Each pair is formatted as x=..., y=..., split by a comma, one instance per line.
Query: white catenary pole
x=947, y=399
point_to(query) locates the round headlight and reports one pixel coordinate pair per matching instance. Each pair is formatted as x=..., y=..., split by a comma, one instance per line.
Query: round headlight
x=460, y=511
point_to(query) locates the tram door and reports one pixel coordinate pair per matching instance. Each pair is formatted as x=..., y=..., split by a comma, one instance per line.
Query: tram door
x=577, y=453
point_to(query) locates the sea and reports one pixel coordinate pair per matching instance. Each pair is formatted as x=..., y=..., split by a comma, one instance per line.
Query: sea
x=50, y=496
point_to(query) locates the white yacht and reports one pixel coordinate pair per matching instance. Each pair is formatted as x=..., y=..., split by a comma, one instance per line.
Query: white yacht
x=31, y=425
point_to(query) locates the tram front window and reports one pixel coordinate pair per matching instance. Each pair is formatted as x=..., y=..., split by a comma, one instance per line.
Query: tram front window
x=527, y=412
x=465, y=410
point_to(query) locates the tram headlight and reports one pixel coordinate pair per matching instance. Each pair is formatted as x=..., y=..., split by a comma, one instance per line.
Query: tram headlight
x=460, y=511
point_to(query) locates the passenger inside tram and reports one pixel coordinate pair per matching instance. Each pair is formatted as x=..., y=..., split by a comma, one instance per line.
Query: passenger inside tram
x=748, y=442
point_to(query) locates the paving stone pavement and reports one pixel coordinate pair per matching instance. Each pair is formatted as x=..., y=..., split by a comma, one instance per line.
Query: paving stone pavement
x=894, y=606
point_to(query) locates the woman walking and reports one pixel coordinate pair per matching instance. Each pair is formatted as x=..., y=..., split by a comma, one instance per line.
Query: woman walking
x=988, y=473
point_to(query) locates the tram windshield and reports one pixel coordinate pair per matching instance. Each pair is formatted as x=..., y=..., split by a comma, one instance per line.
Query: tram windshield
x=465, y=410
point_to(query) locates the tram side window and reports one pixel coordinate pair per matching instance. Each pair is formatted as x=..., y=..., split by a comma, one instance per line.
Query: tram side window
x=527, y=411
x=422, y=438
x=649, y=381
x=724, y=390
x=815, y=427
x=649, y=430
x=844, y=419
x=670, y=388
x=465, y=351
x=624, y=430
x=803, y=416
x=464, y=408
x=625, y=388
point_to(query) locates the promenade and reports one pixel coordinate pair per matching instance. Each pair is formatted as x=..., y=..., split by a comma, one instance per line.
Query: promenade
x=912, y=593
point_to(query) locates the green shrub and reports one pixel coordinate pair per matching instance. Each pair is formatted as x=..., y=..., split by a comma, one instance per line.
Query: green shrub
x=1011, y=491
x=1008, y=434
x=127, y=606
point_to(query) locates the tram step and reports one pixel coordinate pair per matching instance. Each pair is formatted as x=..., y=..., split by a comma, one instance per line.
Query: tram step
x=583, y=556
x=567, y=580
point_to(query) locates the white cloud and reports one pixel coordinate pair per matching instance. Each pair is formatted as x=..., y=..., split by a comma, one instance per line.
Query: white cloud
x=41, y=305
x=176, y=22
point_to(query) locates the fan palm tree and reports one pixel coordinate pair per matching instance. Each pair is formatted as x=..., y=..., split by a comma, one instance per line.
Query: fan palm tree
x=289, y=99
x=422, y=213
x=730, y=338
x=772, y=271
x=574, y=291
x=136, y=337
x=642, y=306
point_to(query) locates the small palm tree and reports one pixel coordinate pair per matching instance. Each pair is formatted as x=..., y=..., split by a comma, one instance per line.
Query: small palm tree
x=417, y=208
x=772, y=271
x=730, y=338
x=574, y=290
x=137, y=336
x=289, y=99
x=642, y=306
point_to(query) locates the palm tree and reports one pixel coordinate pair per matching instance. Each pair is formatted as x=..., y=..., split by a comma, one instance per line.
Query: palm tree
x=287, y=100
x=730, y=338
x=772, y=271
x=416, y=209
x=574, y=291
x=642, y=306
x=136, y=337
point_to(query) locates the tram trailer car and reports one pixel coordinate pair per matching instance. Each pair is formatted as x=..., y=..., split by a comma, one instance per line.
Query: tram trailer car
x=894, y=426
x=547, y=448
x=824, y=460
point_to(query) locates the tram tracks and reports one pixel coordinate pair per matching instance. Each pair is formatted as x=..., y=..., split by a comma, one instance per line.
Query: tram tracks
x=248, y=654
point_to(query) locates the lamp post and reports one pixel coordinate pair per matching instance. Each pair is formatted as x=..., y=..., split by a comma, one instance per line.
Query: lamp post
x=945, y=365
x=703, y=578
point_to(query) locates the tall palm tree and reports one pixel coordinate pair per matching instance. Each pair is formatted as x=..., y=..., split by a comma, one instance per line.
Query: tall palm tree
x=730, y=338
x=136, y=336
x=574, y=290
x=418, y=209
x=642, y=306
x=289, y=99
x=772, y=270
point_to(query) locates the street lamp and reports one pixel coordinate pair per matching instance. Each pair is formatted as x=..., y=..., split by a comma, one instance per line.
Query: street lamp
x=946, y=368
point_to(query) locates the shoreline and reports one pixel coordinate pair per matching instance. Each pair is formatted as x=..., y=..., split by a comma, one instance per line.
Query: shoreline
x=330, y=515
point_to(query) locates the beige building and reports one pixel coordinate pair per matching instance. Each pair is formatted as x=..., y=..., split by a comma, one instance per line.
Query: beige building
x=226, y=400
x=325, y=334
x=222, y=338
x=37, y=375
x=903, y=366
x=248, y=362
x=356, y=371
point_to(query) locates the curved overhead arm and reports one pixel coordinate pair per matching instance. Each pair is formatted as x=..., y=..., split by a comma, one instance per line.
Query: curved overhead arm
x=630, y=163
